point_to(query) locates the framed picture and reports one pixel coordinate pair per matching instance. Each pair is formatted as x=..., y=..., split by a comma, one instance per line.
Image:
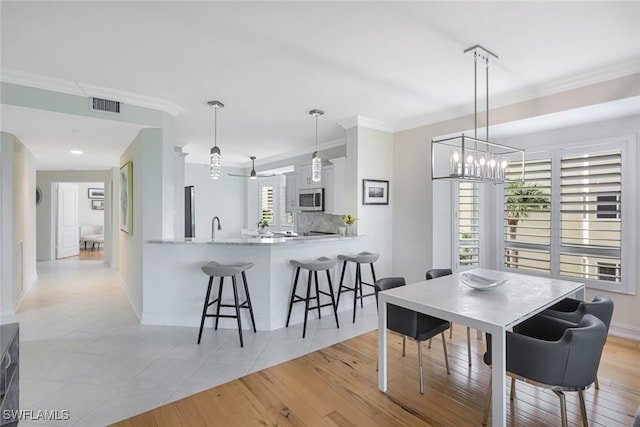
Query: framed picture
x=126, y=198
x=375, y=192
x=97, y=205
x=96, y=193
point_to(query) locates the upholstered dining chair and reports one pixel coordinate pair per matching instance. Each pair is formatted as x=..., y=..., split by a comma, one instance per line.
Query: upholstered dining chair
x=573, y=310
x=418, y=326
x=554, y=354
x=439, y=272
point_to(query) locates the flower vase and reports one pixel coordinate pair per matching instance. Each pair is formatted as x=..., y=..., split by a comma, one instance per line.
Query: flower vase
x=349, y=229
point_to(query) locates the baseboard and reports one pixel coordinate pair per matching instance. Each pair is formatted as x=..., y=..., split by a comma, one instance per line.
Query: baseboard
x=130, y=298
x=624, y=331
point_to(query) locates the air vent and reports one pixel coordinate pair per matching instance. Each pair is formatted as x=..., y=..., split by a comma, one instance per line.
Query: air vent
x=99, y=104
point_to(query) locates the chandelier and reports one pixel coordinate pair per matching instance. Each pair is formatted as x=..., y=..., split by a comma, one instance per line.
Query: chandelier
x=465, y=158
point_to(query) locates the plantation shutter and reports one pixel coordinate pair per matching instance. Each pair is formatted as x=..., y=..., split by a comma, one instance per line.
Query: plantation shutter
x=468, y=225
x=267, y=207
x=590, y=216
x=527, y=216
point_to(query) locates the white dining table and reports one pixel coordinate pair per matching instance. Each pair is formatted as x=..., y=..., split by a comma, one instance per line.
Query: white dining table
x=494, y=310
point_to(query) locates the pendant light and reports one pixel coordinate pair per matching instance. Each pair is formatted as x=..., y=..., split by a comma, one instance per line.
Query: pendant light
x=215, y=151
x=316, y=162
x=464, y=158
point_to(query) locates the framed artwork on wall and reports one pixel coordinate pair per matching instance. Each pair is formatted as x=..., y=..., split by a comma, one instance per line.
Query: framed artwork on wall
x=97, y=205
x=126, y=198
x=95, y=193
x=375, y=192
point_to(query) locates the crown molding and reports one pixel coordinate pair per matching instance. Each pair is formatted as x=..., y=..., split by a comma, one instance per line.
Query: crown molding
x=87, y=90
x=361, y=121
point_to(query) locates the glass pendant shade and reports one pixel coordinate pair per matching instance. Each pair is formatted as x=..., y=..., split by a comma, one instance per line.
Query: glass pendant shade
x=215, y=160
x=215, y=163
x=316, y=167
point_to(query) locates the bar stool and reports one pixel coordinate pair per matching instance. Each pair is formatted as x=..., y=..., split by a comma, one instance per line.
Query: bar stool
x=214, y=269
x=361, y=258
x=319, y=264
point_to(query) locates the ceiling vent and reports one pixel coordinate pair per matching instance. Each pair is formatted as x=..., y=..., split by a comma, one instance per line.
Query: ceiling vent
x=99, y=104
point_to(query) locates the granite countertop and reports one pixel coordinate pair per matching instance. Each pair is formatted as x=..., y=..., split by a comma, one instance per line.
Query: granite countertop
x=260, y=241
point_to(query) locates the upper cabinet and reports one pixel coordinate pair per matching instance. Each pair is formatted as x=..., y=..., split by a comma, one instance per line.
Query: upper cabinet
x=292, y=192
x=334, y=181
x=304, y=178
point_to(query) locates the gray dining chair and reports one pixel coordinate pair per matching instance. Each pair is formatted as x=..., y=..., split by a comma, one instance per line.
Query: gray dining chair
x=573, y=310
x=439, y=272
x=554, y=354
x=409, y=323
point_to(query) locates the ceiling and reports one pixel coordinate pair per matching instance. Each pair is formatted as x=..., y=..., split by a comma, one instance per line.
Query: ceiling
x=399, y=63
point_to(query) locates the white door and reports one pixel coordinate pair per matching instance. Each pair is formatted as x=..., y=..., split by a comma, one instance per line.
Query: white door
x=68, y=239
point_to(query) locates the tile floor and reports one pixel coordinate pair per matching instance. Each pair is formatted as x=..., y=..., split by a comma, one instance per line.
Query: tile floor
x=83, y=350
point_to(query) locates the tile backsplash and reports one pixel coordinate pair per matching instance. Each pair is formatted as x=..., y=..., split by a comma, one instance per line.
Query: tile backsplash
x=318, y=221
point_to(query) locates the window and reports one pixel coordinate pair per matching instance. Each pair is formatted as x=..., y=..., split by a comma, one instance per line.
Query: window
x=527, y=216
x=567, y=219
x=272, y=201
x=267, y=206
x=468, y=252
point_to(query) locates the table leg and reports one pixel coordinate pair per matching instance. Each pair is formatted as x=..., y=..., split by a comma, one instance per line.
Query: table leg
x=498, y=372
x=382, y=344
x=580, y=294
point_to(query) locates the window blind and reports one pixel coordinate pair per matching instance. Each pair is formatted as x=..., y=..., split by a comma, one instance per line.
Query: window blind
x=527, y=216
x=468, y=225
x=267, y=207
x=590, y=215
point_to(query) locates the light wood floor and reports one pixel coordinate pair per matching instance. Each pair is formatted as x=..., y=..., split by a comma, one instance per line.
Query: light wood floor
x=337, y=386
x=89, y=254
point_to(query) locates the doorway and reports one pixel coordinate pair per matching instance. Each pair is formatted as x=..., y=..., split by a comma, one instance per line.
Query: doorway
x=79, y=221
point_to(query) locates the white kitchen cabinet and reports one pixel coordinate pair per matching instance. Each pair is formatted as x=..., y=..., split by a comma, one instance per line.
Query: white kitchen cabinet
x=304, y=178
x=334, y=180
x=292, y=180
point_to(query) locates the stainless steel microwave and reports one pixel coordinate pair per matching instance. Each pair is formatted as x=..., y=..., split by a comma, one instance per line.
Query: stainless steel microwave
x=311, y=199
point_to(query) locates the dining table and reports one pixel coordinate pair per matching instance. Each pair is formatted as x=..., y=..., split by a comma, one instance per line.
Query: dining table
x=492, y=301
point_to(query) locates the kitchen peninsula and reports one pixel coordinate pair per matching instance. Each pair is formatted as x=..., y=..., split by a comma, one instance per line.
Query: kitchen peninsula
x=177, y=286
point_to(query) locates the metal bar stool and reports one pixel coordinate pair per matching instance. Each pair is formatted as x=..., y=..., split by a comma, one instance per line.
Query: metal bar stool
x=319, y=264
x=213, y=269
x=361, y=258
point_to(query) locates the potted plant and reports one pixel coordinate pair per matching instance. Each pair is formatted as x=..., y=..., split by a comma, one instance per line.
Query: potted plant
x=263, y=226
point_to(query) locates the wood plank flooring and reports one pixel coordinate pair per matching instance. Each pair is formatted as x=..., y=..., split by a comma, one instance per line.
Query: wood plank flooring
x=337, y=386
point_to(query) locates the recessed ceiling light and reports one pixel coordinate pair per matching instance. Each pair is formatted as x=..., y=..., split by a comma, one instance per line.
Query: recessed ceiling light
x=76, y=152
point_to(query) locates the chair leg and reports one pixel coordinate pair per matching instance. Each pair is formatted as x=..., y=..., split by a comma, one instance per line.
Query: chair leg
x=333, y=300
x=563, y=407
x=293, y=294
x=596, y=385
x=450, y=330
x=429, y=343
x=246, y=291
x=315, y=276
x=219, y=302
x=583, y=409
x=404, y=345
x=469, y=344
x=306, y=304
x=420, y=367
x=512, y=393
x=344, y=266
x=204, y=310
x=446, y=356
x=237, y=303
x=355, y=292
x=360, y=285
x=487, y=403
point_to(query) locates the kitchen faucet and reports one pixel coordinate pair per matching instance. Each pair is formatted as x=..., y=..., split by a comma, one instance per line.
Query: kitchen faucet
x=213, y=228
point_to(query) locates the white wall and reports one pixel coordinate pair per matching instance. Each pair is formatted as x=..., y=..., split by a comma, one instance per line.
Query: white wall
x=224, y=197
x=17, y=201
x=374, y=161
x=87, y=215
